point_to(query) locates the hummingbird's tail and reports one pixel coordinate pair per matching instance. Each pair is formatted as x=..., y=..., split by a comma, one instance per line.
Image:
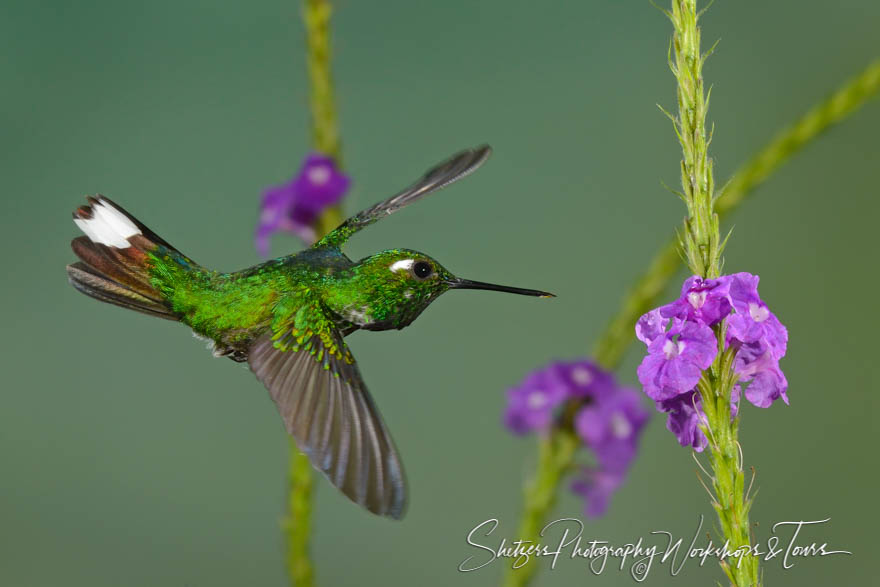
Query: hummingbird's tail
x=118, y=255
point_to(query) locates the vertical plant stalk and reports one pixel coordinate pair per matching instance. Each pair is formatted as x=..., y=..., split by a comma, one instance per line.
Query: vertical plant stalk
x=325, y=123
x=702, y=246
x=646, y=291
x=553, y=456
x=298, y=523
x=701, y=237
x=325, y=139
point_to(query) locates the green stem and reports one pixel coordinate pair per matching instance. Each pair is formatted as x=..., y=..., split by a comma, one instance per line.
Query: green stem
x=702, y=246
x=325, y=139
x=647, y=289
x=618, y=334
x=298, y=523
x=701, y=236
x=325, y=122
x=840, y=104
x=555, y=456
x=325, y=127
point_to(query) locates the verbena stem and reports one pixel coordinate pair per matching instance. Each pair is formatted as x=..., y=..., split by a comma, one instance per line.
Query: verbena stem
x=618, y=334
x=325, y=123
x=297, y=525
x=647, y=289
x=702, y=246
x=325, y=139
x=555, y=456
x=840, y=104
x=701, y=237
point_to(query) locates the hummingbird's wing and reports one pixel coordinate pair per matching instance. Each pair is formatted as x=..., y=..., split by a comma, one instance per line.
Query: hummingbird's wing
x=316, y=385
x=439, y=176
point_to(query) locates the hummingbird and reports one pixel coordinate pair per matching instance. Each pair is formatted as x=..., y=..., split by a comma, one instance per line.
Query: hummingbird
x=287, y=318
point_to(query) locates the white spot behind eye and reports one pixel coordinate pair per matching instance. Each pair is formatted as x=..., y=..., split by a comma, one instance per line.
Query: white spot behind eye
x=402, y=265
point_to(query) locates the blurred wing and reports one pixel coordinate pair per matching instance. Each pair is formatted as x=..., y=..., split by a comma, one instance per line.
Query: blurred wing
x=315, y=383
x=453, y=169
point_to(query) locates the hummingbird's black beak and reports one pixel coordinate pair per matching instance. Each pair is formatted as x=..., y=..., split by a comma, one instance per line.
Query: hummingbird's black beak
x=458, y=283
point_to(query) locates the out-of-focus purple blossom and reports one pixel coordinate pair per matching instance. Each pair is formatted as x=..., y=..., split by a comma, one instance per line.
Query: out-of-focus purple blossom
x=586, y=380
x=531, y=406
x=609, y=420
x=611, y=427
x=676, y=358
x=295, y=206
x=597, y=486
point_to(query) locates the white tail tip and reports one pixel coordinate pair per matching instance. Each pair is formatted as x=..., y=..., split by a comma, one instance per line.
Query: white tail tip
x=107, y=225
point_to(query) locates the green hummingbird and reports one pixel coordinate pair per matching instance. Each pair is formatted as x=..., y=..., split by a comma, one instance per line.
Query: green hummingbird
x=288, y=318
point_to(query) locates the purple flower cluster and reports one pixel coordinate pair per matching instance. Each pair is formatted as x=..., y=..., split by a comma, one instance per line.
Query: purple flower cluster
x=609, y=421
x=681, y=344
x=296, y=205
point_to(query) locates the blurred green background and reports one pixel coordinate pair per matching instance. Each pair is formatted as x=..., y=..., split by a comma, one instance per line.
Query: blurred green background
x=130, y=456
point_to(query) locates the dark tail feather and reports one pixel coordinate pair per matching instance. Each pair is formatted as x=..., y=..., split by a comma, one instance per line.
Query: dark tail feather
x=84, y=279
x=114, y=266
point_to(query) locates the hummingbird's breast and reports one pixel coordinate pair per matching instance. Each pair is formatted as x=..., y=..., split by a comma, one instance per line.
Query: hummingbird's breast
x=361, y=303
x=372, y=308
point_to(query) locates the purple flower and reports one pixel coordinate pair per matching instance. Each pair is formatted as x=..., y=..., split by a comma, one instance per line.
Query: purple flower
x=685, y=416
x=610, y=421
x=597, y=486
x=759, y=370
x=295, y=206
x=753, y=320
x=532, y=404
x=676, y=359
x=586, y=380
x=650, y=326
x=611, y=427
x=702, y=300
x=760, y=339
x=677, y=356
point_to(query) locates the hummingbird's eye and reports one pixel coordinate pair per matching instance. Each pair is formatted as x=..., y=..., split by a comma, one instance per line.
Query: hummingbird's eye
x=422, y=270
